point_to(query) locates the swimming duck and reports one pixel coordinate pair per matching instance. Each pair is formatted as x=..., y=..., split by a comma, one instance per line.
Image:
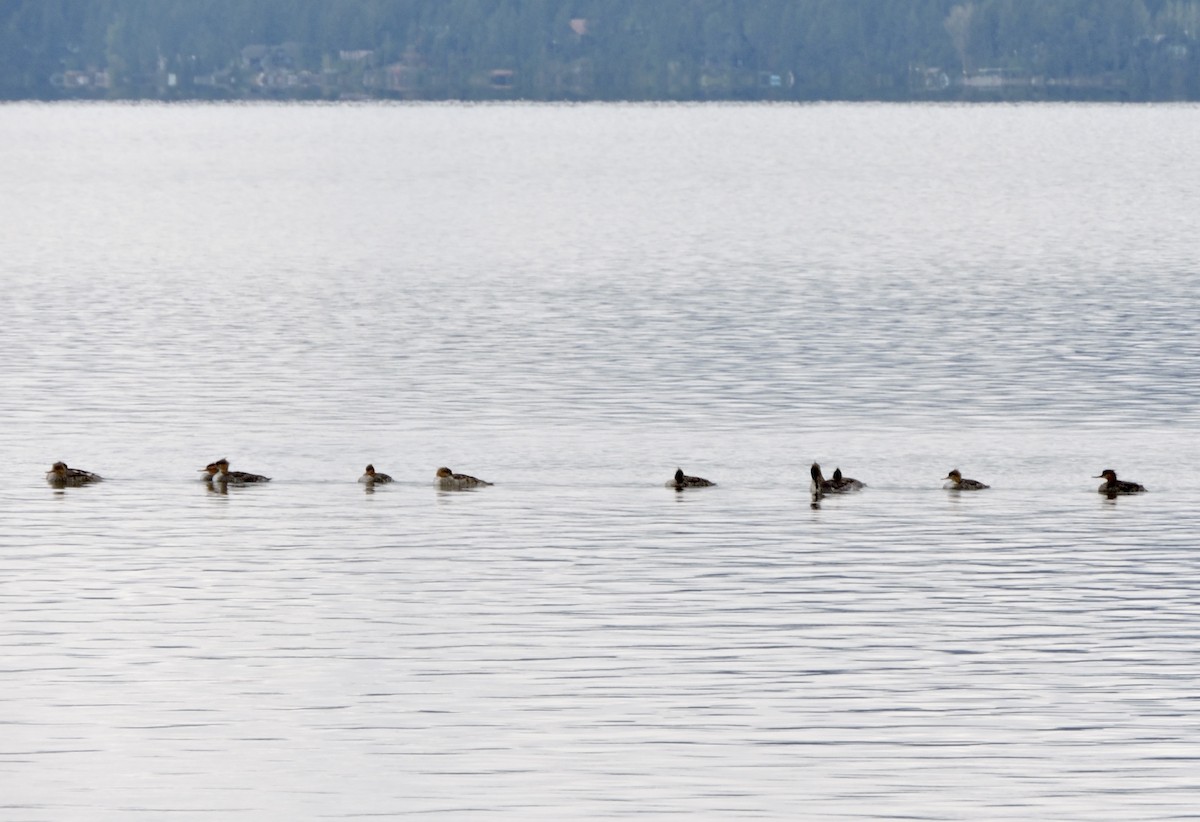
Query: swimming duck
x=839, y=485
x=224, y=475
x=1112, y=485
x=59, y=474
x=372, y=476
x=819, y=485
x=843, y=484
x=682, y=480
x=957, y=483
x=447, y=480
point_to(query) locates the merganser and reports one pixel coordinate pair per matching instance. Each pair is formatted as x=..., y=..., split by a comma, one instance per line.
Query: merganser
x=839, y=485
x=224, y=475
x=1112, y=485
x=682, y=481
x=819, y=484
x=371, y=476
x=957, y=483
x=447, y=480
x=60, y=474
x=844, y=484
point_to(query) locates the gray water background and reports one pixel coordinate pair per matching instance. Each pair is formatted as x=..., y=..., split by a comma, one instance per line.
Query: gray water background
x=571, y=301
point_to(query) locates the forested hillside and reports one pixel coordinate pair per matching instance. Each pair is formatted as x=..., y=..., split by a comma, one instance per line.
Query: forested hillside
x=601, y=49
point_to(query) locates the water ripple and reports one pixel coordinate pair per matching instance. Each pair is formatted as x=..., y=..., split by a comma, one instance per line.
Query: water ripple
x=869, y=286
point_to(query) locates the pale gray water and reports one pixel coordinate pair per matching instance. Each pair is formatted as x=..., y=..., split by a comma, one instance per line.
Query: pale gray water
x=570, y=302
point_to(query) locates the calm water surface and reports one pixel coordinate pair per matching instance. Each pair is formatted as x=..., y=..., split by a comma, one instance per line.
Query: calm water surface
x=571, y=302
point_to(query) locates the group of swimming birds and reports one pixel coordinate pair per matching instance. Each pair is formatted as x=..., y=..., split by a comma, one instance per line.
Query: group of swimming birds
x=955, y=481
x=218, y=473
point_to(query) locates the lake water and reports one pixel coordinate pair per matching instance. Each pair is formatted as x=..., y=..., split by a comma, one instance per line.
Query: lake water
x=572, y=301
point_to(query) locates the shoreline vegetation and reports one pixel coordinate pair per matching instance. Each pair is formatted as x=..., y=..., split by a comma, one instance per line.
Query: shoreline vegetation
x=601, y=50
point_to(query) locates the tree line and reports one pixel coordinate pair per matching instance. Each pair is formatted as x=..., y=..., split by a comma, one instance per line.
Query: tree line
x=602, y=49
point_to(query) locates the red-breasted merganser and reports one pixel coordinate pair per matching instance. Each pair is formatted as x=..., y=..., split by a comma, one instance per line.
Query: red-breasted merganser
x=843, y=484
x=1112, y=485
x=447, y=480
x=372, y=476
x=682, y=480
x=957, y=483
x=224, y=475
x=838, y=485
x=60, y=474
